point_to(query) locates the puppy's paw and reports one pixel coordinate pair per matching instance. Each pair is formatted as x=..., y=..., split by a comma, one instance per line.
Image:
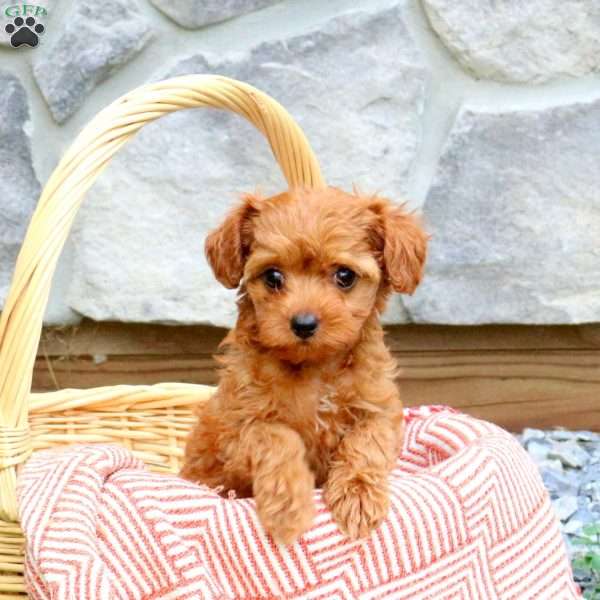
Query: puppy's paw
x=284, y=501
x=358, y=506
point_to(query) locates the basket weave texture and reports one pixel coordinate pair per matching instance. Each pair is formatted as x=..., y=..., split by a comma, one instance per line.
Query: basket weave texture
x=152, y=421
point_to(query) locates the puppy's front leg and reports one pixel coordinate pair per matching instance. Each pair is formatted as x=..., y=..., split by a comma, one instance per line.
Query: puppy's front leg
x=282, y=481
x=357, y=489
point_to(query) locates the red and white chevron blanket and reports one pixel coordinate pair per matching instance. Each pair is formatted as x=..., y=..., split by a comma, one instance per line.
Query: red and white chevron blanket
x=470, y=519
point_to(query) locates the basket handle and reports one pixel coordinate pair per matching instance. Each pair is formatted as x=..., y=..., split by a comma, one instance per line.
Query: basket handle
x=90, y=153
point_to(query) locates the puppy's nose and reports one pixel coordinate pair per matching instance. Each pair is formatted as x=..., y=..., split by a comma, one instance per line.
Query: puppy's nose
x=304, y=325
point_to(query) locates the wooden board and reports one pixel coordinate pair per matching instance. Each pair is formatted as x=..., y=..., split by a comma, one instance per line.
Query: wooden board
x=515, y=376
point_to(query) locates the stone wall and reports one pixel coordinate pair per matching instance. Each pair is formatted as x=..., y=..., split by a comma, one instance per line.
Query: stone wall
x=485, y=115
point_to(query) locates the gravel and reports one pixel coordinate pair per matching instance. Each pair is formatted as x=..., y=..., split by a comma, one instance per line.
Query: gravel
x=569, y=463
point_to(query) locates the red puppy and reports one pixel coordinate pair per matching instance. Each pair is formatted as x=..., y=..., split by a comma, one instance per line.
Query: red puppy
x=307, y=394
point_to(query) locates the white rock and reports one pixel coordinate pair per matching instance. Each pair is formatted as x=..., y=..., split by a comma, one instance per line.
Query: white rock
x=515, y=215
x=582, y=517
x=587, y=436
x=193, y=14
x=559, y=483
x=592, y=488
x=562, y=435
x=514, y=41
x=356, y=85
x=532, y=434
x=581, y=435
x=97, y=38
x=19, y=187
x=564, y=507
x=570, y=454
x=538, y=450
x=572, y=527
x=547, y=464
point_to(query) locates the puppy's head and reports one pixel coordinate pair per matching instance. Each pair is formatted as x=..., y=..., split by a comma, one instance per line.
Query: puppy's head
x=314, y=265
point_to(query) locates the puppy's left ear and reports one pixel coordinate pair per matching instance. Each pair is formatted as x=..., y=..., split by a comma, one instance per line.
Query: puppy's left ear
x=401, y=242
x=228, y=245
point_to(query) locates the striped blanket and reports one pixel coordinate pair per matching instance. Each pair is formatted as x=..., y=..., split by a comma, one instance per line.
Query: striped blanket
x=470, y=519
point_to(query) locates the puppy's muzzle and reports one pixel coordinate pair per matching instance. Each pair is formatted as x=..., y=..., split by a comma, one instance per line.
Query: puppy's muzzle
x=304, y=325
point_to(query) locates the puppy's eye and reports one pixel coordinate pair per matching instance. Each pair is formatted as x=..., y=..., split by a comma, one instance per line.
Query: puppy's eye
x=273, y=279
x=345, y=278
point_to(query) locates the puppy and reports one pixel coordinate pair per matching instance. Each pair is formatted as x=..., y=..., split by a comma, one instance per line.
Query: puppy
x=307, y=395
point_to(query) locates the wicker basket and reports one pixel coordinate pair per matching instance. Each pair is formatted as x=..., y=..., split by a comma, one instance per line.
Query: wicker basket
x=152, y=421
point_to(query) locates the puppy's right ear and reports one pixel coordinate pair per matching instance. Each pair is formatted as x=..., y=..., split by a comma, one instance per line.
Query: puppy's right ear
x=228, y=246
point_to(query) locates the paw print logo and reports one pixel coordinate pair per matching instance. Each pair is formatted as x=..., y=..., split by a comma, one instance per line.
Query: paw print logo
x=24, y=32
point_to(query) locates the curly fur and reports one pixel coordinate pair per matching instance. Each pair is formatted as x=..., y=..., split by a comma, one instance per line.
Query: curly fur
x=289, y=413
